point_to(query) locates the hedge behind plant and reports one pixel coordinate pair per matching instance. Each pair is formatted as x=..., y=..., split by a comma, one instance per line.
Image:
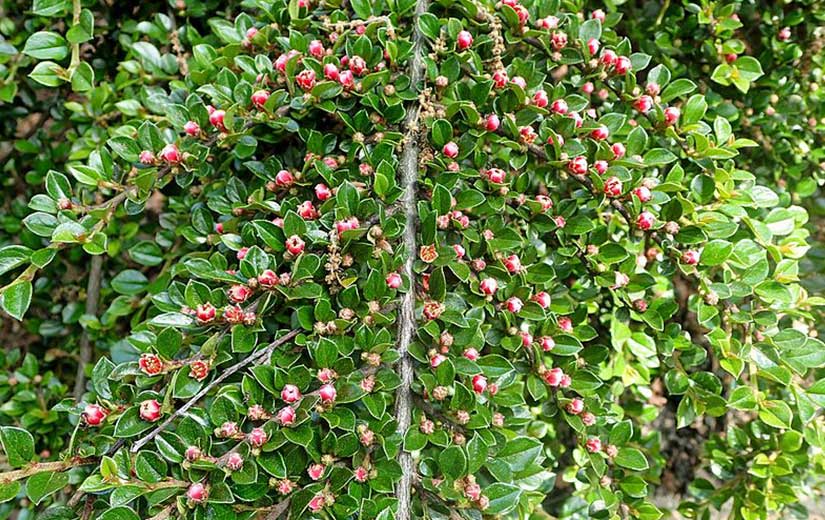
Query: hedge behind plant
x=387, y=260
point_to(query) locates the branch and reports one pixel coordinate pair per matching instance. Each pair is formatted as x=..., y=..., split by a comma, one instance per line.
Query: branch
x=261, y=354
x=40, y=467
x=92, y=299
x=409, y=175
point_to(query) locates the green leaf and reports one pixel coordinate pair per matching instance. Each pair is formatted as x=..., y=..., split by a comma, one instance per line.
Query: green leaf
x=776, y=413
x=453, y=462
x=679, y=88
x=503, y=498
x=631, y=458
x=13, y=256
x=9, y=491
x=17, y=298
x=46, y=45
x=47, y=73
x=129, y=282
x=18, y=445
x=83, y=77
x=716, y=252
x=442, y=132
x=41, y=485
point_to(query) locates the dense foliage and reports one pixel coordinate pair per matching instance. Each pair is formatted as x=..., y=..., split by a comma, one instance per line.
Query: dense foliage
x=409, y=259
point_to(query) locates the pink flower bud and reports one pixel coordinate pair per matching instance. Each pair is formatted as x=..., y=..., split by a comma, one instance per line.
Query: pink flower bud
x=234, y=461
x=216, y=118
x=316, y=49
x=394, y=280
x=286, y=416
x=94, y=414
x=357, y=65
x=150, y=410
x=643, y=193
x=600, y=133
x=196, y=492
x=690, y=257
x=488, y=286
x=608, y=58
x=645, y=220
x=239, y=293
x=514, y=305
x=192, y=453
x=290, y=394
x=205, y=313
x=593, y=46
x=450, y=150
x=465, y=40
x=540, y=99
x=295, y=245
x=471, y=354
x=613, y=187
x=672, y=115
x=542, y=298
x=500, y=78
x=327, y=393
x=623, y=65
x=331, y=72
x=553, y=377
x=171, y=154
x=577, y=165
x=594, y=445
x=559, y=106
x=575, y=407
x=492, y=123
x=479, y=383
x=257, y=437
x=306, y=79
x=346, y=79
x=547, y=343
x=618, y=150
x=192, y=128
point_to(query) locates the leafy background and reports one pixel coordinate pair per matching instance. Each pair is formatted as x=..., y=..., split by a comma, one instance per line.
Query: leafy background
x=685, y=424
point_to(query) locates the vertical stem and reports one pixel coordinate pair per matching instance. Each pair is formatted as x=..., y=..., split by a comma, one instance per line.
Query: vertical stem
x=76, y=8
x=92, y=299
x=407, y=325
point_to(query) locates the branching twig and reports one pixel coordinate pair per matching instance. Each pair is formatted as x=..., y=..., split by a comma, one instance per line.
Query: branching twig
x=261, y=354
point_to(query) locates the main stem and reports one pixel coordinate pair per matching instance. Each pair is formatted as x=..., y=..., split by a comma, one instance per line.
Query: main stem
x=409, y=176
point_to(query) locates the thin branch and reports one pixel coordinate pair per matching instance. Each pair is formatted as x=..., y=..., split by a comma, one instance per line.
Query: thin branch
x=40, y=467
x=92, y=299
x=261, y=354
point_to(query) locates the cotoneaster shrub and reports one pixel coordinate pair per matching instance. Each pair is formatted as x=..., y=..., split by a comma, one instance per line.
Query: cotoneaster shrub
x=359, y=266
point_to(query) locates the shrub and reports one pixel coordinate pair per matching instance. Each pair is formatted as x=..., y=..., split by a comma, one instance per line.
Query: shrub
x=384, y=269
